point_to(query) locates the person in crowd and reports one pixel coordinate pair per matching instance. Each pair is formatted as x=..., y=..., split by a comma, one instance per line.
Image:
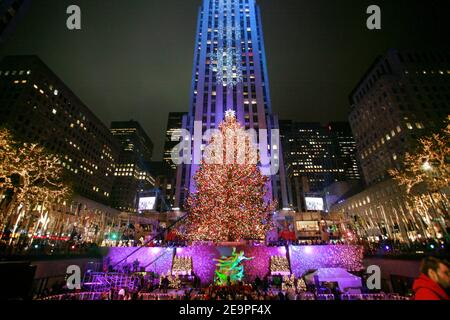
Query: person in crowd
x=257, y=283
x=121, y=294
x=434, y=280
x=136, y=265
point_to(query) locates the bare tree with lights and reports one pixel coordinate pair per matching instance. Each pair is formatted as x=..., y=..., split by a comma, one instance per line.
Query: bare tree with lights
x=426, y=173
x=429, y=164
x=229, y=202
x=30, y=180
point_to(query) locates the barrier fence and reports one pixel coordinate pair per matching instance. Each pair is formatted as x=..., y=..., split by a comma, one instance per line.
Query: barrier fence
x=168, y=296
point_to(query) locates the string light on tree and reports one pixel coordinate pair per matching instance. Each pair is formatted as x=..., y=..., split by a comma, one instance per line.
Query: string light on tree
x=279, y=265
x=229, y=201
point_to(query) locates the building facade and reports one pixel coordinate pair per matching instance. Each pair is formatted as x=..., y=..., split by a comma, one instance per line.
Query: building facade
x=386, y=211
x=230, y=73
x=38, y=107
x=403, y=95
x=317, y=156
x=173, y=131
x=10, y=12
x=167, y=170
x=132, y=174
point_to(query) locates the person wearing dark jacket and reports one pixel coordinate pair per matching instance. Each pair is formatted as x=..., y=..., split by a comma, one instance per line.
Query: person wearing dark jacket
x=434, y=280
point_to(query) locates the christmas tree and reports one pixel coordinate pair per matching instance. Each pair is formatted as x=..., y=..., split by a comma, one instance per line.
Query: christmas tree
x=229, y=204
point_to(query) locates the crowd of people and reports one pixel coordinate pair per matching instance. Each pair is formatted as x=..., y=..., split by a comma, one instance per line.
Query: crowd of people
x=395, y=247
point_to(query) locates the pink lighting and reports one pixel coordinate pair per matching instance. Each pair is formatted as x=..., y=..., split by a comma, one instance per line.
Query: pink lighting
x=155, y=250
x=304, y=258
x=282, y=250
x=301, y=258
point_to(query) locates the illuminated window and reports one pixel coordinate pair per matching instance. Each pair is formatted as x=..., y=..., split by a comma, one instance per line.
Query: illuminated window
x=409, y=126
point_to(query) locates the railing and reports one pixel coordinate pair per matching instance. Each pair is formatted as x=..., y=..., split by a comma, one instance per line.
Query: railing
x=326, y=297
x=352, y=296
x=159, y=296
x=372, y=296
x=306, y=296
x=77, y=296
x=176, y=296
x=102, y=282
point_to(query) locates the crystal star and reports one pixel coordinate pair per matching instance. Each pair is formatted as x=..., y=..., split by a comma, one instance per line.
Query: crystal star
x=230, y=113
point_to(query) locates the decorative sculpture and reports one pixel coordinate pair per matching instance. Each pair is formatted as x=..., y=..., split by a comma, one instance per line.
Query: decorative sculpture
x=229, y=269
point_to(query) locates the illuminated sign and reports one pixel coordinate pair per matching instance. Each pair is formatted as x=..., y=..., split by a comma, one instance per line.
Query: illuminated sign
x=314, y=204
x=147, y=203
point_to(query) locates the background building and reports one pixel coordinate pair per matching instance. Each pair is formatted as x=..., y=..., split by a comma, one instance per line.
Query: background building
x=132, y=174
x=403, y=95
x=10, y=12
x=38, y=107
x=166, y=171
x=164, y=183
x=317, y=156
x=174, y=126
x=230, y=72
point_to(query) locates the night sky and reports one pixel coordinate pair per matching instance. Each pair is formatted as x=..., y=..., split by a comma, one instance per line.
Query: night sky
x=133, y=59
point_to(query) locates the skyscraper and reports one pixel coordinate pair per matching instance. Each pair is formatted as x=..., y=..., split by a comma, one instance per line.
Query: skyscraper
x=230, y=72
x=344, y=147
x=402, y=96
x=167, y=171
x=316, y=156
x=173, y=130
x=131, y=175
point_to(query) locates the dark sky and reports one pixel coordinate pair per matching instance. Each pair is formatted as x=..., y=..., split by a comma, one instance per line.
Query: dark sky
x=133, y=59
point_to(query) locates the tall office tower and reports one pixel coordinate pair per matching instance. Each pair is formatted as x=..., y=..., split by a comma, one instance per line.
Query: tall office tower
x=344, y=146
x=165, y=183
x=167, y=171
x=316, y=156
x=230, y=73
x=174, y=125
x=132, y=174
x=10, y=12
x=402, y=96
x=38, y=107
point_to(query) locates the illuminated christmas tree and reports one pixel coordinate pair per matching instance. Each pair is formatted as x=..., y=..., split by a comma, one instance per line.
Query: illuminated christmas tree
x=229, y=202
x=301, y=285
